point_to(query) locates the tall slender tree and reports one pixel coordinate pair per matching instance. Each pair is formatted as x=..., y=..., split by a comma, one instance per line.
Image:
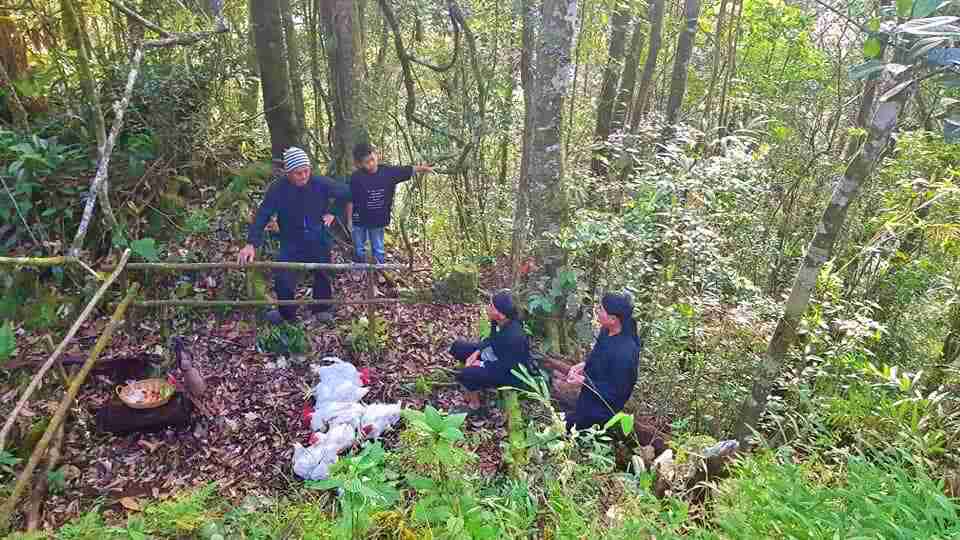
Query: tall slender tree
x=678, y=80
x=820, y=250
x=292, y=47
x=345, y=88
x=650, y=65
x=606, y=101
x=274, y=77
x=552, y=74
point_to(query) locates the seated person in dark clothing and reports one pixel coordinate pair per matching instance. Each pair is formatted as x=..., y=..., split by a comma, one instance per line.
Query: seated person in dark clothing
x=610, y=372
x=489, y=362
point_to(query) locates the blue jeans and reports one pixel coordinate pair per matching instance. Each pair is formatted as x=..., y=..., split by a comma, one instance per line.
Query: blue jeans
x=360, y=235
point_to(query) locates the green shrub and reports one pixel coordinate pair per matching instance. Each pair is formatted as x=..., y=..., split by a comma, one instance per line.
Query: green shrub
x=777, y=498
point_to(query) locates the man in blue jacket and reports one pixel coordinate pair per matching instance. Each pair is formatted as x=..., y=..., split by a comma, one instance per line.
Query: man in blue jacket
x=301, y=202
x=610, y=372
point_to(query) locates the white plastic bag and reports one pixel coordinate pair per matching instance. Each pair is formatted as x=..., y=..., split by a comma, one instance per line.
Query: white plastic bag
x=338, y=437
x=313, y=462
x=337, y=371
x=340, y=390
x=336, y=412
x=379, y=417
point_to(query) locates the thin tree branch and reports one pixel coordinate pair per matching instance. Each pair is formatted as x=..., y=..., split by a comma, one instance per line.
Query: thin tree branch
x=35, y=382
x=139, y=18
x=183, y=39
x=56, y=421
x=19, y=213
x=120, y=108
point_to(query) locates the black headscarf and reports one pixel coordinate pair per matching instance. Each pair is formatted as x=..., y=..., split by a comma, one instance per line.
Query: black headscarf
x=621, y=306
x=503, y=301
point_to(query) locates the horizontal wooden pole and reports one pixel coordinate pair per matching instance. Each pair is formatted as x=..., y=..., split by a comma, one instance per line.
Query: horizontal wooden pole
x=263, y=264
x=37, y=261
x=258, y=303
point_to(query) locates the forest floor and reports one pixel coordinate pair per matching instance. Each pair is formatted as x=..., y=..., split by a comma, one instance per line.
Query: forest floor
x=244, y=440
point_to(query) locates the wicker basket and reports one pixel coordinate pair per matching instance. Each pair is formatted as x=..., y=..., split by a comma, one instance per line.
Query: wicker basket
x=159, y=386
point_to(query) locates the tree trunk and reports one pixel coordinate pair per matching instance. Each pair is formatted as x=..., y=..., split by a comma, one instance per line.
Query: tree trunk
x=715, y=67
x=606, y=102
x=294, y=69
x=734, y=40
x=72, y=31
x=274, y=78
x=251, y=95
x=74, y=28
x=553, y=67
x=16, y=106
x=519, y=240
x=349, y=128
x=628, y=83
x=678, y=81
x=819, y=252
x=650, y=65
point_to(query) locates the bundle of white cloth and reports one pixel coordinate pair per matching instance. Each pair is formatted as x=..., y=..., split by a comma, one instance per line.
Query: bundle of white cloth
x=339, y=421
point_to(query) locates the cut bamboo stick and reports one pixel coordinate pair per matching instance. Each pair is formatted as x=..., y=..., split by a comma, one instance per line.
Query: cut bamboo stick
x=55, y=422
x=35, y=382
x=258, y=303
x=166, y=266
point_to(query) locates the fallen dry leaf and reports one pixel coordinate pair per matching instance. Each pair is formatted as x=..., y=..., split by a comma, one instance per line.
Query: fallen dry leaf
x=130, y=503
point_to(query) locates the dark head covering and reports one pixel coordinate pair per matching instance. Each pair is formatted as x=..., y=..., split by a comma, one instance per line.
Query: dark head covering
x=621, y=306
x=503, y=301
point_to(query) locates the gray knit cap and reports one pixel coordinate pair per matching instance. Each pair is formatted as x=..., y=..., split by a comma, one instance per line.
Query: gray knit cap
x=294, y=158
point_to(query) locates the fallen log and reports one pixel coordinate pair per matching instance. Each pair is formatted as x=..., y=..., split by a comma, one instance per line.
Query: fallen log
x=6, y=511
x=115, y=417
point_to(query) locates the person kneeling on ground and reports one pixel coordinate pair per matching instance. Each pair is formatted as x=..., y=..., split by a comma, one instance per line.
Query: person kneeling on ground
x=610, y=372
x=489, y=363
x=300, y=201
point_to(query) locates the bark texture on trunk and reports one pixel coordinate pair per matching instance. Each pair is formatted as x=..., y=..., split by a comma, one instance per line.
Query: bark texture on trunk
x=882, y=124
x=650, y=65
x=552, y=75
x=274, y=76
x=338, y=18
x=678, y=80
x=607, y=99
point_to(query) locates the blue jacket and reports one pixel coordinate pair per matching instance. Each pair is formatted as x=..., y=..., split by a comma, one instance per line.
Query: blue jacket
x=611, y=373
x=299, y=212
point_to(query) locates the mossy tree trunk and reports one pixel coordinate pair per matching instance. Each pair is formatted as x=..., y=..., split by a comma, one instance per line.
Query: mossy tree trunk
x=882, y=124
x=552, y=70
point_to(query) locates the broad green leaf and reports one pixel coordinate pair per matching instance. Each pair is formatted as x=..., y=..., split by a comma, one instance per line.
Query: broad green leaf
x=924, y=8
x=904, y=7
x=421, y=483
x=452, y=434
x=146, y=248
x=865, y=70
x=871, y=48
x=8, y=341
x=923, y=46
x=433, y=418
x=456, y=420
x=323, y=484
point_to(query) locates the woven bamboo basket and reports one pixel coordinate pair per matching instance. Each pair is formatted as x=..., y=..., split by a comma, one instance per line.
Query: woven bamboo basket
x=161, y=389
